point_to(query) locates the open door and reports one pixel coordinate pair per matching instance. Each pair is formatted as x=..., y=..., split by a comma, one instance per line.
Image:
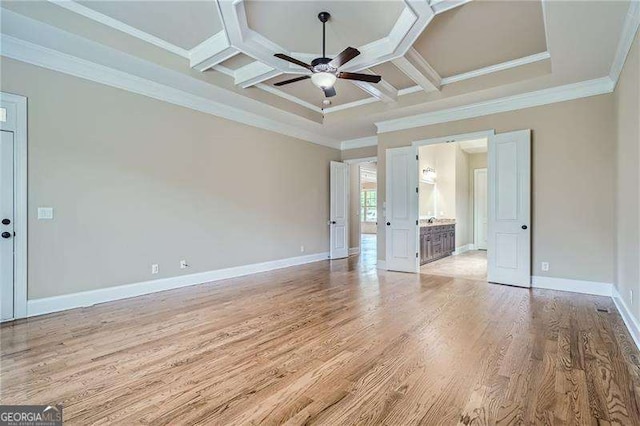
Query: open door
x=509, y=239
x=339, y=211
x=402, y=210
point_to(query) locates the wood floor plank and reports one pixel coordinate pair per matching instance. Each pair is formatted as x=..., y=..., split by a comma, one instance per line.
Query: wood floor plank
x=330, y=343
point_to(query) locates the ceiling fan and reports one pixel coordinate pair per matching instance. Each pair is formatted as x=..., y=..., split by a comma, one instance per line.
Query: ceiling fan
x=324, y=71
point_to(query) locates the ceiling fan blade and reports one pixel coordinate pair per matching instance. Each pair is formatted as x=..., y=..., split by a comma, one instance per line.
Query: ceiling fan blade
x=370, y=78
x=345, y=56
x=329, y=91
x=293, y=60
x=293, y=80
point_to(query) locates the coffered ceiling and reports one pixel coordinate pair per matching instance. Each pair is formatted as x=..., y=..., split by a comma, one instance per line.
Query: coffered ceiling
x=431, y=54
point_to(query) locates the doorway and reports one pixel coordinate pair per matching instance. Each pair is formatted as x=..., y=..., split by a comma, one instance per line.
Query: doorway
x=13, y=207
x=508, y=167
x=451, y=203
x=368, y=210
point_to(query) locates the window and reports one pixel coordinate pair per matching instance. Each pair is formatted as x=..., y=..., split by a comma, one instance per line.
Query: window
x=368, y=205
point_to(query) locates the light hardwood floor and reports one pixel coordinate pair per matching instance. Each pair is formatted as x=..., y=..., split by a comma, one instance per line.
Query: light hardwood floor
x=330, y=343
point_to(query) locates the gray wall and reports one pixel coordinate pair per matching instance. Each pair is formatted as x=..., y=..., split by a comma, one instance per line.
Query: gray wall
x=136, y=181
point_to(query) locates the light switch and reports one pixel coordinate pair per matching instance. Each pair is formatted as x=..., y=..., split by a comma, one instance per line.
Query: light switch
x=45, y=213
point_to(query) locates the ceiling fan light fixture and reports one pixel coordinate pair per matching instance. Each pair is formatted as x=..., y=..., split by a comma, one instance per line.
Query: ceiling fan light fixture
x=323, y=80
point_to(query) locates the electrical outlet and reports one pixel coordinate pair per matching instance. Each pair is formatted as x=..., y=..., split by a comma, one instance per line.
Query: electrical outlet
x=154, y=268
x=545, y=266
x=183, y=264
x=301, y=249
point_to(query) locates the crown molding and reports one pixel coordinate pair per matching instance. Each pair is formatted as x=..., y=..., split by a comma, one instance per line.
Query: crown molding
x=285, y=95
x=510, y=103
x=629, y=30
x=34, y=54
x=120, y=26
x=543, y=56
x=359, y=143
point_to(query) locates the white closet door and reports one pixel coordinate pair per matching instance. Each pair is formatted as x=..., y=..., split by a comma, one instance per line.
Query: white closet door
x=6, y=225
x=339, y=220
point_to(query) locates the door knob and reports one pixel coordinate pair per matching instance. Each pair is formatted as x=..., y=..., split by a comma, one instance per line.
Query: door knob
x=333, y=222
x=524, y=227
x=388, y=223
x=6, y=222
x=6, y=235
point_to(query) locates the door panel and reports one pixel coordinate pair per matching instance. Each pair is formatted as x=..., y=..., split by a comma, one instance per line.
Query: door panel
x=480, y=208
x=402, y=233
x=339, y=211
x=509, y=213
x=6, y=214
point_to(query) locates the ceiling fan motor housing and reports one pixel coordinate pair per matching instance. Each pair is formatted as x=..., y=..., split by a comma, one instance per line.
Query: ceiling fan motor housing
x=322, y=65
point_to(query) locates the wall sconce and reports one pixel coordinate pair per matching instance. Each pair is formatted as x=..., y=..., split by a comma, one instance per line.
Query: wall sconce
x=429, y=175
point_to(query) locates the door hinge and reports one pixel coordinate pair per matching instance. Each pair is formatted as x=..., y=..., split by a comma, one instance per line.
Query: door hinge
x=416, y=255
x=416, y=222
x=417, y=191
x=417, y=157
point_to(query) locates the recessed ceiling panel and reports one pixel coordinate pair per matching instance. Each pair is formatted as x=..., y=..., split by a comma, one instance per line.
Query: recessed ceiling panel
x=482, y=33
x=306, y=91
x=294, y=25
x=182, y=23
x=392, y=75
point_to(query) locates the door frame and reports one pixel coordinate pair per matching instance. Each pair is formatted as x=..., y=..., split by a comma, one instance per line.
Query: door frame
x=17, y=107
x=489, y=134
x=475, y=205
x=350, y=162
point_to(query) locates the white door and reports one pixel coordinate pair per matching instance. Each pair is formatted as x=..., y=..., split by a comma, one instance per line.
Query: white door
x=509, y=248
x=6, y=225
x=480, y=209
x=339, y=211
x=402, y=210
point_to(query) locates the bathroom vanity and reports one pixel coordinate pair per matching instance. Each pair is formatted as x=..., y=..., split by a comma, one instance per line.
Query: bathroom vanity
x=437, y=240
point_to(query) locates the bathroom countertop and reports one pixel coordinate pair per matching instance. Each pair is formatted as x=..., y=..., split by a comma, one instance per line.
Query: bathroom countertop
x=437, y=222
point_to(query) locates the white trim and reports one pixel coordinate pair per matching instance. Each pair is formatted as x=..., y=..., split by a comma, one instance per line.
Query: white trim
x=354, y=251
x=285, y=95
x=629, y=319
x=543, y=56
x=361, y=160
x=211, y=52
x=574, y=286
x=552, y=95
x=414, y=66
x=353, y=104
x=463, y=249
x=381, y=264
x=52, y=59
x=20, y=219
x=627, y=36
x=456, y=138
x=382, y=91
x=120, y=26
x=87, y=298
x=359, y=143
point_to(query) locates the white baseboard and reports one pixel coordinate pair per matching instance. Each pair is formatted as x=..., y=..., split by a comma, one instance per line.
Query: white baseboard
x=463, y=249
x=628, y=318
x=87, y=298
x=382, y=265
x=575, y=286
x=354, y=250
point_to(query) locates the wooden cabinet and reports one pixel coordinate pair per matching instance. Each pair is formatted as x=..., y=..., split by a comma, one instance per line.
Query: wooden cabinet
x=436, y=242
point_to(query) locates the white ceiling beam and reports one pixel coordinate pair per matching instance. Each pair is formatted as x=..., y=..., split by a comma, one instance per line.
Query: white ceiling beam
x=382, y=90
x=211, y=52
x=419, y=70
x=543, y=56
x=440, y=6
x=254, y=73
